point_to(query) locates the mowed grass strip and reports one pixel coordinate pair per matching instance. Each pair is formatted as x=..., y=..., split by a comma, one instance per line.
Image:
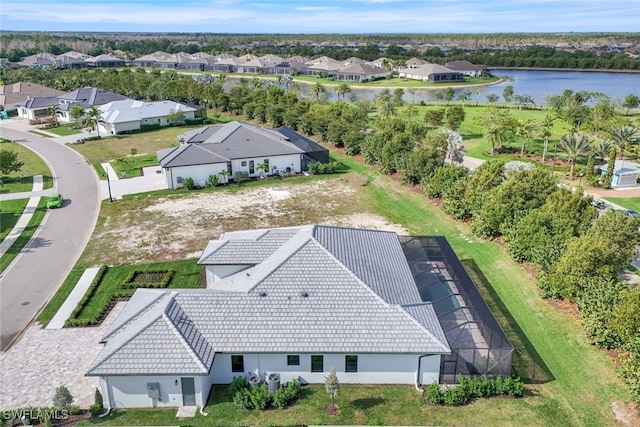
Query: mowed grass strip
x=632, y=203
x=10, y=213
x=26, y=235
x=22, y=180
x=59, y=297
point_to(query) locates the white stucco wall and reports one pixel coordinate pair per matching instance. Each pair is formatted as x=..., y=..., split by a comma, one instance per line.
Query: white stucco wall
x=372, y=368
x=200, y=173
x=131, y=391
x=216, y=272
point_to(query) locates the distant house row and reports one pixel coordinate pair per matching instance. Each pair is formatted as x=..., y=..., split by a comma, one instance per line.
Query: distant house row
x=349, y=70
x=119, y=114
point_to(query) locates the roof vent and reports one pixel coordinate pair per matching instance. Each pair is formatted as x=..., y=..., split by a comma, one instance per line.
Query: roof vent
x=263, y=294
x=304, y=294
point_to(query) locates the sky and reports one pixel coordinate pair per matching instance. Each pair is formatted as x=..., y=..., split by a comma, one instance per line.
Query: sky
x=322, y=16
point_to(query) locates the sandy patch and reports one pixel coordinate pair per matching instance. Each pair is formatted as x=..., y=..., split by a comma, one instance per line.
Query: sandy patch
x=171, y=228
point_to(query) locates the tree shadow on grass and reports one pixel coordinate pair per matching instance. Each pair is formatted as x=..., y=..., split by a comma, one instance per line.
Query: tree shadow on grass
x=368, y=403
x=527, y=362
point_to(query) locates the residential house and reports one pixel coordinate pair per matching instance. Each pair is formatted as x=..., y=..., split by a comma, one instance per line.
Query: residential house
x=39, y=60
x=237, y=147
x=415, y=63
x=293, y=301
x=323, y=66
x=72, y=59
x=105, y=61
x=625, y=173
x=151, y=59
x=433, y=73
x=361, y=72
x=129, y=115
x=38, y=108
x=224, y=63
x=465, y=67
x=11, y=96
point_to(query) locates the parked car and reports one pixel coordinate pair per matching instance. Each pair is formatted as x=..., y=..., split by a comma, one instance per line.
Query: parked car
x=55, y=201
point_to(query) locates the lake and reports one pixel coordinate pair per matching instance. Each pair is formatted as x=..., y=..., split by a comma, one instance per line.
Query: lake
x=539, y=84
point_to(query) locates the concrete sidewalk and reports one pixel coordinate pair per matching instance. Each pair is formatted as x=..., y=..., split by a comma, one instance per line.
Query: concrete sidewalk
x=151, y=180
x=26, y=194
x=64, y=312
x=24, y=219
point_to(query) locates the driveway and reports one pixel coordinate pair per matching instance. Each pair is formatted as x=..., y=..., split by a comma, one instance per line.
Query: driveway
x=43, y=264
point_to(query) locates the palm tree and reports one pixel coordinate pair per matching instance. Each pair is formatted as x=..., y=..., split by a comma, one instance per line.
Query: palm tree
x=54, y=111
x=545, y=133
x=342, y=89
x=225, y=175
x=623, y=136
x=318, y=89
x=264, y=167
x=524, y=130
x=602, y=148
x=574, y=144
x=495, y=135
x=94, y=117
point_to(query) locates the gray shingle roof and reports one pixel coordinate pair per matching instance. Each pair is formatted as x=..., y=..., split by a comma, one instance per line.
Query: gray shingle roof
x=233, y=140
x=313, y=289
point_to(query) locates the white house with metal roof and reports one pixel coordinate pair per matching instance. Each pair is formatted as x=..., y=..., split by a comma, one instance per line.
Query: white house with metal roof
x=625, y=173
x=237, y=147
x=293, y=301
x=129, y=115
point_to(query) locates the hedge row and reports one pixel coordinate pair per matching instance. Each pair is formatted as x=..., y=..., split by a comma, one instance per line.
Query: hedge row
x=470, y=388
x=128, y=282
x=260, y=398
x=87, y=295
x=104, y=311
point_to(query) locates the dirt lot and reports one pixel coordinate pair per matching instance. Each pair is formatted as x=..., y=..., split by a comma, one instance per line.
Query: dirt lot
x=177, y=227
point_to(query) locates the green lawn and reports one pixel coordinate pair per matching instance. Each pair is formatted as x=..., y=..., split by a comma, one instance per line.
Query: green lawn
x=131, y=165
x=10, y=212
x=42, y=134
x=187, y=274
x=26, y=235
x=20, y=181
x=632, y=203
x=569, y=381
x=65, y=129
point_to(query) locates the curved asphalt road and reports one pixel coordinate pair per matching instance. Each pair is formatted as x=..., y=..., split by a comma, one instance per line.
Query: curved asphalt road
x=35, y=274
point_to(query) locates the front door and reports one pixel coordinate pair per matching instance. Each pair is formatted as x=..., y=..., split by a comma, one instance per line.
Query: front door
x=188, y=392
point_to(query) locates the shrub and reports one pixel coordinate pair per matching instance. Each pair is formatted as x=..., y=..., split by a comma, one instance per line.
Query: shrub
x=62, y=398
x=242, y=399
x=237, y=384
x=134, y=151
x=95, y=409
x=433, y=394
x=87, y=296
x=212, y=180
x=375, y=422
x=152, y=126
x=97, y=398
x=287, y=394
x=189, y=183
x=455, y=396
x=260, y=397
x=74, y=409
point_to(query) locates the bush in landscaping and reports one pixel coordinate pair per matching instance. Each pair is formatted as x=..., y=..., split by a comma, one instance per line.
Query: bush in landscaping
x=87, y=295
x=152, y=126
x=97, y=398
x=237, y=384
x=130, y=283
x=242, y=399
x=260, y=397
x=318, y=168
x=455, y=396
x=433, y=394
x=62, y=398
x=189, y=183
x=73, y=410
x=287, y=394
x=95, y=409
x=473, y=387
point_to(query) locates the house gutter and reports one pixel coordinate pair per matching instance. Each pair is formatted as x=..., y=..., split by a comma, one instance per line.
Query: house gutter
x=417, y=382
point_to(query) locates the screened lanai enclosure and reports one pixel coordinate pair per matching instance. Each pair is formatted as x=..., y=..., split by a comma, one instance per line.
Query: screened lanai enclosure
x=478, y=344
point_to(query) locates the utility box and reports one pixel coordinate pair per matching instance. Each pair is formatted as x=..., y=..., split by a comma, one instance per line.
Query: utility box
x=153, y=390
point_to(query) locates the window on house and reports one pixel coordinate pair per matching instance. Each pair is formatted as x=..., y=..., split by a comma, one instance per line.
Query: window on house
x=351, y=363
x=266, y=164
x=237, y=363
x=243, y=163
x=293, y=360
x=317, y=363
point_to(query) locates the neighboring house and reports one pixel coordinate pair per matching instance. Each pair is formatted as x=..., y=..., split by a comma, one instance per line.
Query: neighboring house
x=105, y=61
x=237, y=147
x=129, y=115
x=294, y=301
x=37, y=108
x=625, y=173
x=431, y=73
x=465, y=67
x=361, y=72
x=18, y=93
x=415, y=63
x=72, y=59
x=151, y=59
x=321, y=66
x=39, y=60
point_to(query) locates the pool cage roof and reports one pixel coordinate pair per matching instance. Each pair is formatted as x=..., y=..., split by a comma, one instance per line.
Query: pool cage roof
x=478, y=344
